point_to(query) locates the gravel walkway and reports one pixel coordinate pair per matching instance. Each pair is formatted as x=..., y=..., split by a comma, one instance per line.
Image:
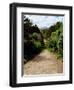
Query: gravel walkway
x=44, y=63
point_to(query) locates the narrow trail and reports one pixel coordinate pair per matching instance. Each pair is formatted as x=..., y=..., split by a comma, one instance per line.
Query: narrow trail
x=44, y=63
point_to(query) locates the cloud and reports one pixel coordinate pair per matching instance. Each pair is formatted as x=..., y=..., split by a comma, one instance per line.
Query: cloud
x=44, y=21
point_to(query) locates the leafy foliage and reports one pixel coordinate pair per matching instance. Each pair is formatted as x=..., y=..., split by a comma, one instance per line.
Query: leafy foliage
x=55, y=42
x=33, y=40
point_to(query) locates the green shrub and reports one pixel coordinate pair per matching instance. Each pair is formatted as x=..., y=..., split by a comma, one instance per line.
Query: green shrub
x=35, y=36
x=55, y=42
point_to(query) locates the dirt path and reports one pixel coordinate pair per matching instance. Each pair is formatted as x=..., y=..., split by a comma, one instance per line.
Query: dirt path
x=44, y=63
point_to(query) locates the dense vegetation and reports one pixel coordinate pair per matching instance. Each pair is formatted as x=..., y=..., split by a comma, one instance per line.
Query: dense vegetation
x=54, y=39
x=35, y=39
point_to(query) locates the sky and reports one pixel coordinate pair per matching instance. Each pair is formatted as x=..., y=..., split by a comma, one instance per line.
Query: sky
x=44, y=21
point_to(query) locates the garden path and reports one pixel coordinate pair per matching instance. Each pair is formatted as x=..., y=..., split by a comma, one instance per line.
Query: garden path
x=44, y=63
